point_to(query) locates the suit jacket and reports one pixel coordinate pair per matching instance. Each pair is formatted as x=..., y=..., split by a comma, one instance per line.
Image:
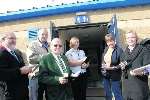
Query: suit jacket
x=35, y=51
x=49, y=74
x=10, y=74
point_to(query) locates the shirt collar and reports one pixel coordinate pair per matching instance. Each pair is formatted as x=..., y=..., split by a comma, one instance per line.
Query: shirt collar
x=40, y=43
x=8, y=49
x=74, y=50
x=45, y=44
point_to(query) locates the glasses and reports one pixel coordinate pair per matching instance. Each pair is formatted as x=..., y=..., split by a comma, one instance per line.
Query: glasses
x=57, y=45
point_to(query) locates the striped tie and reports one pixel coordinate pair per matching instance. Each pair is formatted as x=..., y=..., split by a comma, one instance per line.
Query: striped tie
x=13, y=53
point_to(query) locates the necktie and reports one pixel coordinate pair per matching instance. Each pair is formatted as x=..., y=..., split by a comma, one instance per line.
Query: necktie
x=45, y=45
x=13, y=53
x=62, y=64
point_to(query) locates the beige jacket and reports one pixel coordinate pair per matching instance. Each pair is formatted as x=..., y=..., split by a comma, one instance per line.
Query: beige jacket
x=34, y=53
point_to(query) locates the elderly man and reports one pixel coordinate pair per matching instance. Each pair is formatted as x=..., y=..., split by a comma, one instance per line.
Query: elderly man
x=13, y=72
x=35, y=51
x=54, y=73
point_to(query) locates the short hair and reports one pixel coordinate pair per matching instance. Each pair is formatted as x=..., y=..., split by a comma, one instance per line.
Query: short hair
x=72, y=41
x=42, y=30
x=55, y=40
x=5, y=35
x=2, y=37
x=133, y=32
x=109, y=37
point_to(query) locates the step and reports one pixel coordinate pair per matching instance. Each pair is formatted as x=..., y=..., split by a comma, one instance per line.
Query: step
x=95, y=92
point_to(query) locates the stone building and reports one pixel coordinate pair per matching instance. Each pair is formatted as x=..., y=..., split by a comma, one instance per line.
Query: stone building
x=87, y=20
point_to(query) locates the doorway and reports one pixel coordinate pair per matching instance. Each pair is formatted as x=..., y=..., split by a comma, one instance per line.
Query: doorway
x=91, y=38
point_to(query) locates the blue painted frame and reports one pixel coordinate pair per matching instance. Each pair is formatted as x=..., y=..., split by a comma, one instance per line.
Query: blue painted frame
x=70, y=8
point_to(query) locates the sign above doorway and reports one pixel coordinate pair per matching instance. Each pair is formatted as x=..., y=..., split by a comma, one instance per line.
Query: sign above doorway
x=81, y=18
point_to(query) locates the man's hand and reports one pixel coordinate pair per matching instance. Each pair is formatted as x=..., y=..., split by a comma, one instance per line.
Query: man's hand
x=30, y=75
x=82, y=60
x=63, y=80
x=25, y=70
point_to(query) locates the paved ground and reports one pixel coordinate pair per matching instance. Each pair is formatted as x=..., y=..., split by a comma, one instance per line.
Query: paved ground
x=95, y=98
x=95, y=94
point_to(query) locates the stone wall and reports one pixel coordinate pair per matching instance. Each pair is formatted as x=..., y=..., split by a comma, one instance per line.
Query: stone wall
x=131, y=18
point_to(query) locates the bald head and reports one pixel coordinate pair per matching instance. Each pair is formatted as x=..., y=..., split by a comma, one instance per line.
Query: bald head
x=2, y=38
x=56, y=40
x=56, y=46
x=9, y=40
x=43, y=35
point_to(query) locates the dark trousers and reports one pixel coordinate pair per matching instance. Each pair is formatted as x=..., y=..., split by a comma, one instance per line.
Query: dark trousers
x=112, y=87
x=79, y=85
x=19, y=92
x=41, y=90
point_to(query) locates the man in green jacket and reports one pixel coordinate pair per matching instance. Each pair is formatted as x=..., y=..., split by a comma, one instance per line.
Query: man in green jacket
x=54, y=72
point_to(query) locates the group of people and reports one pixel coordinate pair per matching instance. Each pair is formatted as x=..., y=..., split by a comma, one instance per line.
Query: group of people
x=121, y=81
x=63, y=77
x=47, y=72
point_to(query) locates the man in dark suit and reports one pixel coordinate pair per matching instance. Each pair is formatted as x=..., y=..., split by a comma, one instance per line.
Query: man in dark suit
x=13, y=72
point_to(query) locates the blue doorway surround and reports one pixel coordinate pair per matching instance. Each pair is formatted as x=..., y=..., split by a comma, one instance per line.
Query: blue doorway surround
x=70, y=8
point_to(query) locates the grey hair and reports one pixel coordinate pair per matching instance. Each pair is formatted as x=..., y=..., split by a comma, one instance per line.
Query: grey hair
x=41, y=31
x=2, y=37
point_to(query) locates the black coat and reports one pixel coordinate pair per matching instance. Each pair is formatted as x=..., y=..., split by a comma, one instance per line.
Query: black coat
x=135, y=87
x=11, y=76
x=115, y=74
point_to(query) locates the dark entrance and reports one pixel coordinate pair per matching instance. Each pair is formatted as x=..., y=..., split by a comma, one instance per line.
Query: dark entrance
x=92, y=42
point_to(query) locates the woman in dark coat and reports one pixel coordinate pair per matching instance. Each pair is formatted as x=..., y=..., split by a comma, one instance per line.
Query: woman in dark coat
x=135, y=87
x=112, y=76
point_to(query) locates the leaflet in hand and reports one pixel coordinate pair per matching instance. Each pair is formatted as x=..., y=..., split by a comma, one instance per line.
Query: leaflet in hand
x=122, y=65
x=87, y=60
x=142, y=69
x=75, y=74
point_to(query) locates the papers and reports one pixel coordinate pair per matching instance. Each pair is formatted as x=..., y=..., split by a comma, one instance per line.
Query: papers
x=122, y=65
x=75, y=74
x=142, y=69
x=87, y=60
x=35, y=71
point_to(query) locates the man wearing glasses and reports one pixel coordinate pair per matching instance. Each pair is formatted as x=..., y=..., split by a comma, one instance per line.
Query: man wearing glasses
x=13, y=72
x=54, y=72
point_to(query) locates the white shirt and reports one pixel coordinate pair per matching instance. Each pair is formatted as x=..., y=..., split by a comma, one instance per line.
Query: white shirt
x=76, y=55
